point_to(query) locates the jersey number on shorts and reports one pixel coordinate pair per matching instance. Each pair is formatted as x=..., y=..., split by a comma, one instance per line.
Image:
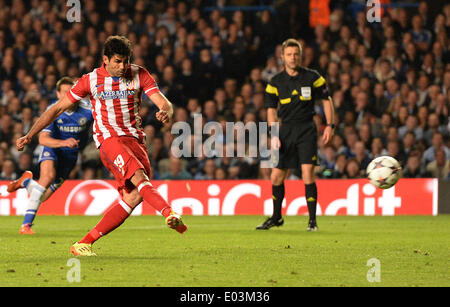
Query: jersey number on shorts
x=119, y=163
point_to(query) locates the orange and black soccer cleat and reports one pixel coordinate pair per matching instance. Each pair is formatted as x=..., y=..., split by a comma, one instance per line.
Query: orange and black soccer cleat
x=17, y=184
x=25, y=229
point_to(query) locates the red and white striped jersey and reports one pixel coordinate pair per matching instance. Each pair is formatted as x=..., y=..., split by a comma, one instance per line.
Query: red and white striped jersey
x=115, y=100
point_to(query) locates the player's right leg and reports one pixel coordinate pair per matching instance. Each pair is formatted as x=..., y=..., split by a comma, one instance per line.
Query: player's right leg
x=38, y=192
x=277, y=178
x=24, y=180
x=112, y=219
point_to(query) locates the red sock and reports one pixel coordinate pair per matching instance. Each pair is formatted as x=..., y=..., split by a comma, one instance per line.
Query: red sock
x=152, y=196
x=112, y=219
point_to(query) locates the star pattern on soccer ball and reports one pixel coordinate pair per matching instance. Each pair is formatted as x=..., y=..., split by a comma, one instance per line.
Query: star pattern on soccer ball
x=378, y=164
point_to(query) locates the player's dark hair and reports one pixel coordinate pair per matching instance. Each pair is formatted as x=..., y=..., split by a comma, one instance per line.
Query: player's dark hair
x=64, y=80
x=117, y=45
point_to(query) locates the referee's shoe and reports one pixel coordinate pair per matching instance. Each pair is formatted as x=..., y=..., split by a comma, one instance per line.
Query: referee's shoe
x=270, y=222
x=312, y=226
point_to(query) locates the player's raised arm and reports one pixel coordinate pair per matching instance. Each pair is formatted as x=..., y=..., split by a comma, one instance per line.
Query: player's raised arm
x=164, y=105
x=46, y=119
x=151, y=89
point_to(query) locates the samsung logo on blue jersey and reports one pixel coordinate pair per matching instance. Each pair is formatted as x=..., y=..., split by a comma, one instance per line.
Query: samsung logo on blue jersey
x=71, y=129
x=115, y=94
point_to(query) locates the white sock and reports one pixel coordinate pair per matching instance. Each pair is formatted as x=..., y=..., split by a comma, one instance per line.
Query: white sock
x=33, y=202
x=30, y=185
x=35, y=196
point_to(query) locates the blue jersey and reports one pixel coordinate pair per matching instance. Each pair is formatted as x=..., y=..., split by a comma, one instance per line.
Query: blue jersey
x=68, y=125
x=72, y=125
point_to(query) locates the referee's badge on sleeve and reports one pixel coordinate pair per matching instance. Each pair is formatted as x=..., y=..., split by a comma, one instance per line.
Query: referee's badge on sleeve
x=306, y=92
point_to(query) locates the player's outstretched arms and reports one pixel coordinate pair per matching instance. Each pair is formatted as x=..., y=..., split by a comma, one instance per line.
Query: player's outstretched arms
x=46, y=119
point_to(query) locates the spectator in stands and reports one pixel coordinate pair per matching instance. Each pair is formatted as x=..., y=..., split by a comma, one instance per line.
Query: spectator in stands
x=361, y=108
x=170, y=88
x=442, y=106
x=421, y=37
x=175, y=171
x=6, y=125
x=377, y=148
x=339, y=144
x=411, y=125
x=383, y=70
x=339, y=168
x=409, y=142
x=208, y=75
x=394, y=150
x=439, y=168
x=24, y=163
x=413, y=167
x=352, y=169
x=361, y=155
x=210, y=110
x=365, y=134
x=437, y=143
x=327, y=161
x=220, y=173
x=378, y=102
x=157, y=151
x=422, y=117
x=433, y=125
x=8, y=171
x=208, y=171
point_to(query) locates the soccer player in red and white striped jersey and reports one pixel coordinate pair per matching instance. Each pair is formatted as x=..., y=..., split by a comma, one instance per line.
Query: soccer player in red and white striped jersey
x=115, y=90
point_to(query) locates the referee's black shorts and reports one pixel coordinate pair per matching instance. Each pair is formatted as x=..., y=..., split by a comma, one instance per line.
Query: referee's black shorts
x=298, y=145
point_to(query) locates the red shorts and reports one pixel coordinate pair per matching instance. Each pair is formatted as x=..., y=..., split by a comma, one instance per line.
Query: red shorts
x=123, y=156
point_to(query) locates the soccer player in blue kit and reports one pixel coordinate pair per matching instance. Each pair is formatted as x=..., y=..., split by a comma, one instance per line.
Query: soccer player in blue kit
x=61, y=140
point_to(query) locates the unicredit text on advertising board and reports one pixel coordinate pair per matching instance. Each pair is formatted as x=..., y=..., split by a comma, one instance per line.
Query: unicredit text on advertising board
x=239, y=197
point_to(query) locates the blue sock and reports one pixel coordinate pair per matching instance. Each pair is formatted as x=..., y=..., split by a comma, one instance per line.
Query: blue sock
x=26, y=182
x=29, y=217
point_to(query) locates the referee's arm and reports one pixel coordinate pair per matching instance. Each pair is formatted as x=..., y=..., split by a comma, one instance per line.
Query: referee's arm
x=272, y=117
x=321, y=92
x=328, y=109
x=271, y=104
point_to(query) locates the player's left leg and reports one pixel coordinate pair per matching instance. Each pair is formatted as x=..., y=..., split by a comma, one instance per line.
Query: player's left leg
x=152, y=196
x=310, y=194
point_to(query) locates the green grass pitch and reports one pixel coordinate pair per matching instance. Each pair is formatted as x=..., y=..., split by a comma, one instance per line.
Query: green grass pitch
x=227, y=251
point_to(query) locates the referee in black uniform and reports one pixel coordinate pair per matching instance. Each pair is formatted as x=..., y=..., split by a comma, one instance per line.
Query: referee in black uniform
x=295, y=90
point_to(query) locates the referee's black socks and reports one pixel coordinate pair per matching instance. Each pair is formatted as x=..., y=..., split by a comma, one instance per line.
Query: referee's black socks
x=277, y=196
x=311, y=199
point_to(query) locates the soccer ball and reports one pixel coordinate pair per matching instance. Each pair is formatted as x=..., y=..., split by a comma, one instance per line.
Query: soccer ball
x=383, y=172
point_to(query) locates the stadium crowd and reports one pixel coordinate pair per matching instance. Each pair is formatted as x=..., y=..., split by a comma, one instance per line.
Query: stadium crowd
x=389, y=80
